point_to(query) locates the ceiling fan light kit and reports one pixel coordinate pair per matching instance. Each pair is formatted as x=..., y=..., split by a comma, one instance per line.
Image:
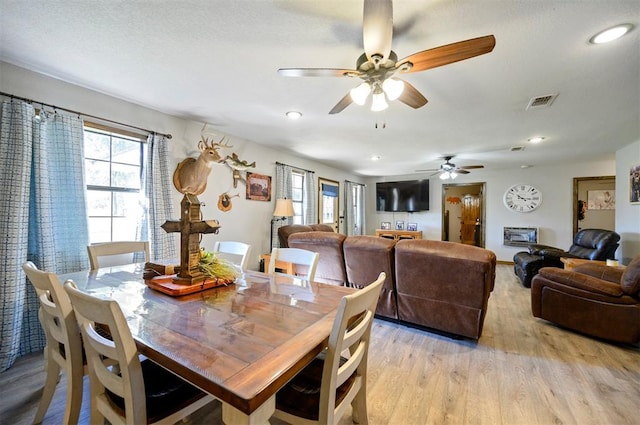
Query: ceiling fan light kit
x=378, y=64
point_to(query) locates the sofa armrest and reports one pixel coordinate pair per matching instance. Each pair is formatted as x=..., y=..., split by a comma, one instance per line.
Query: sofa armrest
x=535, y=248
x=601, y=271
x=582, y=281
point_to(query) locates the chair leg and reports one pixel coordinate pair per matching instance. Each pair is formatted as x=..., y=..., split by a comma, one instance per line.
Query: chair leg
x=74, y=395
x=50, y=383
x=359, y=408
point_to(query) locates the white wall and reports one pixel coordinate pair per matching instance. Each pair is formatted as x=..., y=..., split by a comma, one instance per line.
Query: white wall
x=553, y=217
x=248, y=221
x=627, y=214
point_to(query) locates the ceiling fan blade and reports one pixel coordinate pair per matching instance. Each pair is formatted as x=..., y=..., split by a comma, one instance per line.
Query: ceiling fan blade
x=317, y=72
x=377, y=27
x=461, y=171
x=427, y=170
x=471, y=167
x=412, y=97
x=449, y=53
x=344, y=102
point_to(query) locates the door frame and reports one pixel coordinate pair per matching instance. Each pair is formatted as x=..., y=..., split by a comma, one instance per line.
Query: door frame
x=483, y=207
x=576, y=183
x=336, y=202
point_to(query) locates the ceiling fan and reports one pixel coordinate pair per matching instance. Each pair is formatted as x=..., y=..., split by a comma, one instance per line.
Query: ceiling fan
x=378, y=64
x=448, y=170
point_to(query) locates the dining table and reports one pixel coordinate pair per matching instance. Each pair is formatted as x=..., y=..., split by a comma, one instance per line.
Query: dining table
x=240, y=342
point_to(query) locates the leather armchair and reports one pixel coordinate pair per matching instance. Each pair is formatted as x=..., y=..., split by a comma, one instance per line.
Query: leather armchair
x=593, y=299
x=590, y=244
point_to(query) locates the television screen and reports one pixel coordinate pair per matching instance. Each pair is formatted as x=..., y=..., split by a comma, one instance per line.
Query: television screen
x=403, y=196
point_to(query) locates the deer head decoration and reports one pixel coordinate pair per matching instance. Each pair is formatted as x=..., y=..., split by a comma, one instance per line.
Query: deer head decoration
x=190, y=176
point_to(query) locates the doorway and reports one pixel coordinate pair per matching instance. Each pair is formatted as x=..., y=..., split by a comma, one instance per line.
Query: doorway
x=328, y=195
x=592, y=190
x=463, y=213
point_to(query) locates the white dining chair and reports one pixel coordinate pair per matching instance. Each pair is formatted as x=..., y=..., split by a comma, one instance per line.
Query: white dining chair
x=236, y=252
x=305, y=261
x=117, y=253
x=138, y=391
x=64, y=345
x=326, y=387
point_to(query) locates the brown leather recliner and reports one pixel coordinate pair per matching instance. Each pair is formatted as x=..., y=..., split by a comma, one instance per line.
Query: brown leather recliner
x=285, y=231
x=590, y=244
x=365, y=257
x=593, y=299
x=331, y=261
x=444, y=285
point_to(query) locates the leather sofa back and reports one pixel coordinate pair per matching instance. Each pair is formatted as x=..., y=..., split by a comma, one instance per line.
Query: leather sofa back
x=444, y=285
x=329, y=246
x=365, y=257
x=595, y=244
x=285, y=231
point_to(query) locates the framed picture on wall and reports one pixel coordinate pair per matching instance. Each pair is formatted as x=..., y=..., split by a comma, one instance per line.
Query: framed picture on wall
x=634, y=185
x=601, y=200
x=258, y=187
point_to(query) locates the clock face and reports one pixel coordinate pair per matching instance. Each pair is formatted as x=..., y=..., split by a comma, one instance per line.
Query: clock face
x=522, y=198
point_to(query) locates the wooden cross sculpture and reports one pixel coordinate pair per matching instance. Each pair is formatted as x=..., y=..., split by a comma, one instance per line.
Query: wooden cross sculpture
x=190, y=178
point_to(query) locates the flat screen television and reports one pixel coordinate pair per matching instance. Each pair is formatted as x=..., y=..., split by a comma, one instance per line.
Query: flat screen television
x=403, y=196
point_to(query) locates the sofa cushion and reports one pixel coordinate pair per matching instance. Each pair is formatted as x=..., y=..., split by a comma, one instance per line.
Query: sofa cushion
x=285, y=231
x=329, y=246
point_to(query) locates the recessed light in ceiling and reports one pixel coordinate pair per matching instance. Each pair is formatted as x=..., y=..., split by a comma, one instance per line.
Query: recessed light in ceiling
x=536, y=139
x=611, y=34
x=293, y=115
x=376, y=158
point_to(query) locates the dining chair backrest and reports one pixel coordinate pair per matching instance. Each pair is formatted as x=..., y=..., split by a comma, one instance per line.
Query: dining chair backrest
x=109, y=254
x=63, y=349
x=305, y=261
x=236, y=252
x=342, y=381
x=120, y=394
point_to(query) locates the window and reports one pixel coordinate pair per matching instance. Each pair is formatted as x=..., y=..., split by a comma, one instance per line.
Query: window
x=297, y=182
x=113, y=168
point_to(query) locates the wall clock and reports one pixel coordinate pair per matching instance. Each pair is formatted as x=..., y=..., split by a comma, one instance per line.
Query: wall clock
x=522, y=198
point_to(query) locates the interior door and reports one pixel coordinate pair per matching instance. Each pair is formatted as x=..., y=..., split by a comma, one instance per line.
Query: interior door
x=470, y=225
x=328, y=196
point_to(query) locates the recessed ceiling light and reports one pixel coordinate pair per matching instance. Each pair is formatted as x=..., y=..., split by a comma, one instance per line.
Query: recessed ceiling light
x=294, y=115
x=611, y=34
x=375, y=158
x=536, y=139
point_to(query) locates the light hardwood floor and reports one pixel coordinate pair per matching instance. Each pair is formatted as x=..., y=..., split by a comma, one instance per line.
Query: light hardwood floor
x=522, y=371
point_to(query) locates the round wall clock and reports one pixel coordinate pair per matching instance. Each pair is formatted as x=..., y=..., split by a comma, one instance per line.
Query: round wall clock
x=522, y=198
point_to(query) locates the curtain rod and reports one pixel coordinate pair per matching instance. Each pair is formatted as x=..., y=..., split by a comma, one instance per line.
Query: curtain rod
x=12, y=96
x=349, y=181
x=293, y=166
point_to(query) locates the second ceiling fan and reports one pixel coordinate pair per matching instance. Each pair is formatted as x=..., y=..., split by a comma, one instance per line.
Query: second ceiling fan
x=449, y=170
x=378, y=64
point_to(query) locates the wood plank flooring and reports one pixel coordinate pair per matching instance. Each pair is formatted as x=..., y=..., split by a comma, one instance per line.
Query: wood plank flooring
x=522, y=371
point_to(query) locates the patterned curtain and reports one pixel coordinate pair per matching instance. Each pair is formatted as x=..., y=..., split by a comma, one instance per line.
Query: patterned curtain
x=354, y=208
x=157, y=187
x=44, y=211
x=284, y=189
x=310, y=198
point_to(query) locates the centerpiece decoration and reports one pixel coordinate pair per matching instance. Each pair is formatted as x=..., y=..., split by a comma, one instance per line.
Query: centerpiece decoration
x=217, y=268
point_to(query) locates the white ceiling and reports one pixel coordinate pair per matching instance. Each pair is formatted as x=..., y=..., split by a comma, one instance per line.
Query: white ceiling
x=217, y=61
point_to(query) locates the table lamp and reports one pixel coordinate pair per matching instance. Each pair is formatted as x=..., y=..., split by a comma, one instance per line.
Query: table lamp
x=284, y=209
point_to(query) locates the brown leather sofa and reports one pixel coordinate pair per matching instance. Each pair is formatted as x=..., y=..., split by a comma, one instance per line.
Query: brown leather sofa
x=329, y=245
x=593, y=299
x=440, y=285
x=285, y=231
x=444, y=285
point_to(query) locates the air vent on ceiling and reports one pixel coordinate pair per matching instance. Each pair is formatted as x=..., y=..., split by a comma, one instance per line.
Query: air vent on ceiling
x=516, y=148
x=542, y=101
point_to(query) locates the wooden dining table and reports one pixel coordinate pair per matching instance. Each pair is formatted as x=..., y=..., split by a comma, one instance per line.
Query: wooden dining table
x=241, y=342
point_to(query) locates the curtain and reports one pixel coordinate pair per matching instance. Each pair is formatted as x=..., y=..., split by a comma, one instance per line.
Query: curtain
x=44, y=215
x=157, y=206
x=284, y=189
x=354, y=199
x=309, y=199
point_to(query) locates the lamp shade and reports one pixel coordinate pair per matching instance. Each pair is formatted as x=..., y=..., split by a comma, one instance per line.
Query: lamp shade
x=284, y=208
